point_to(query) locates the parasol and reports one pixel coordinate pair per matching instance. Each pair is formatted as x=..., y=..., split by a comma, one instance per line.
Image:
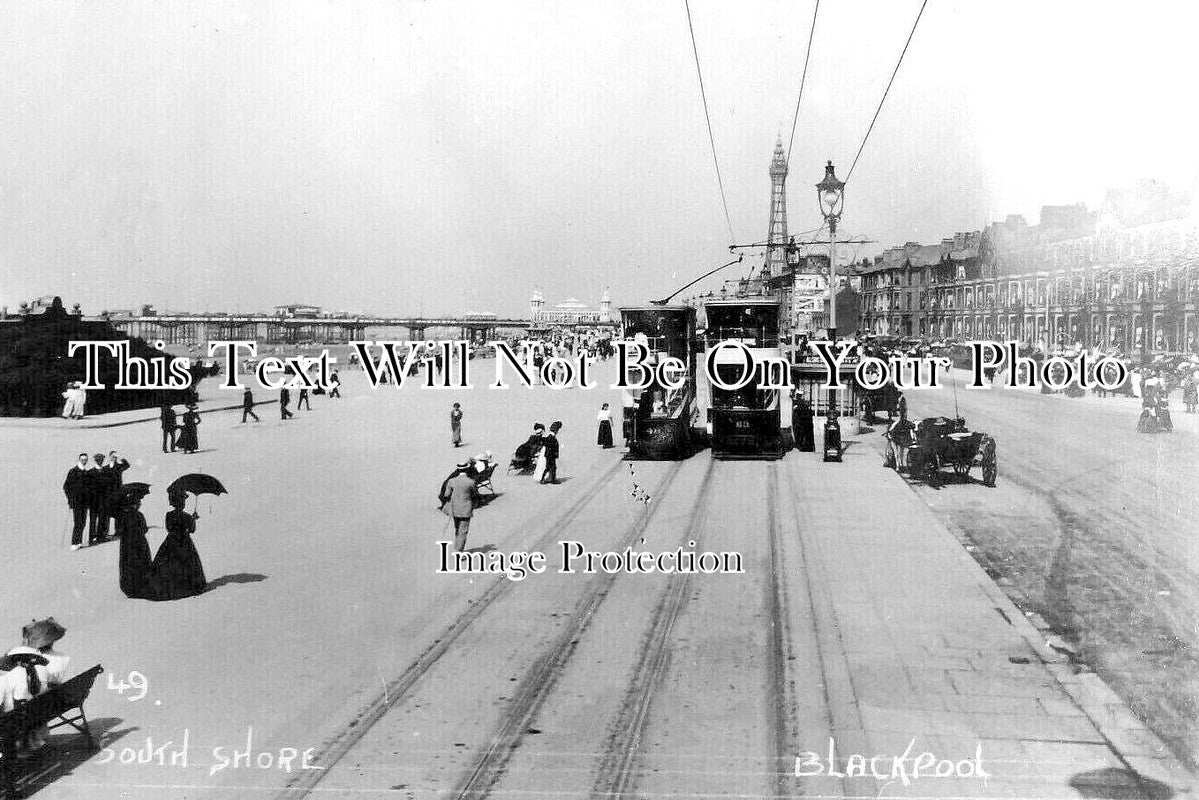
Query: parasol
x=196, y=483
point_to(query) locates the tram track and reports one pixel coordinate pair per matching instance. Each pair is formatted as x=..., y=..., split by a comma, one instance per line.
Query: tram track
x=782, y=687
x=395, y=692
x=616, y=771
x=541, y=678
x=831, y=673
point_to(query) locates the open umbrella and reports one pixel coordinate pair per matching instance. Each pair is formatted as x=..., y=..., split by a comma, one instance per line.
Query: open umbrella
x=196, y=483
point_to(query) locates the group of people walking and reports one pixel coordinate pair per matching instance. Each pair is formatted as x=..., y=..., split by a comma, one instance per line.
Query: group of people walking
x=540, y=452
x=92, y=488
x=175, y=571
x=459, y=494
x=179, y=433
x=100, y=501
x=304, y=401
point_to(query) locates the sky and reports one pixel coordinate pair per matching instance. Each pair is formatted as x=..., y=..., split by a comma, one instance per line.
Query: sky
x=410, y=157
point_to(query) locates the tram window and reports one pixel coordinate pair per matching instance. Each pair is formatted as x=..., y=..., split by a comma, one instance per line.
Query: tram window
x=657, y=401
x=748, y=396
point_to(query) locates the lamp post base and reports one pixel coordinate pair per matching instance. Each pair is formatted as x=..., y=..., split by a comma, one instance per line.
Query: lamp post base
x=832, y=440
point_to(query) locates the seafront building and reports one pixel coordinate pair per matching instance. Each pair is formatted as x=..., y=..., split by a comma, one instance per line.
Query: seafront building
x=1123, y=278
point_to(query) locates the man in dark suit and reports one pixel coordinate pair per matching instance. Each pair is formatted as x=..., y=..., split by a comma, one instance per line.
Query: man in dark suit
x=99, y=486
x=284, y=399
x=114, y=478
x=166, y=417
x=463, y=497
x=550, y=443
x=247, y=405
x=443, y=494
x=75, y=488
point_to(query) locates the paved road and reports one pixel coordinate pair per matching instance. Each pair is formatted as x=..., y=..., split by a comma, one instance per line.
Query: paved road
x=329, y=629
x=1095, y=527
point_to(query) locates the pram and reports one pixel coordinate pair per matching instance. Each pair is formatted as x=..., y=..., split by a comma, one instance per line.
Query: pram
x=525, y=457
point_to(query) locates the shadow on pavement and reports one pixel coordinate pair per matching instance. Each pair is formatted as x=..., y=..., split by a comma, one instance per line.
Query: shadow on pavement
x=1119, y=784
x=63, y=753
x=237, y=577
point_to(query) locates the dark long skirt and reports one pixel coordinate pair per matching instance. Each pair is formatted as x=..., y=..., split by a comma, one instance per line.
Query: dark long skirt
x=805, y=440
x=189, y=436
x=178, y=572
x=135, y=565
x=604, y=439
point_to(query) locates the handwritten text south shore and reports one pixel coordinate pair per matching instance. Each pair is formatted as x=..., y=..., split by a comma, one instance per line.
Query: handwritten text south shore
x=169, y=754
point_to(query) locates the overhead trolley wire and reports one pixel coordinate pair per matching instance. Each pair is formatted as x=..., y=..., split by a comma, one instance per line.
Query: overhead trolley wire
x=885, y=91
x=802, y=80
x=712, y=139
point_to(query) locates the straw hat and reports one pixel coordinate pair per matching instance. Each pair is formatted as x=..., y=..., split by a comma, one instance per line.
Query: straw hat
x=42, y=633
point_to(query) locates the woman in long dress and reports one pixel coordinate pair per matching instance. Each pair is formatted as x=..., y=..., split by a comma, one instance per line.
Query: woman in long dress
x=540, y=462
x=604, y=437
x=189, y=437
x=177, y=571
x=456, y=424
x=1190, y=393
x=135, y=563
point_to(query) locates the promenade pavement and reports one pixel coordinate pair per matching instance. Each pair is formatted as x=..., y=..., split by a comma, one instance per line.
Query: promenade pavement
x=917, y=641
x=220, y=400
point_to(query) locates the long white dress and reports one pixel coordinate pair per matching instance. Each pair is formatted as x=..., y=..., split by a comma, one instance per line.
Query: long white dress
x=539, y=465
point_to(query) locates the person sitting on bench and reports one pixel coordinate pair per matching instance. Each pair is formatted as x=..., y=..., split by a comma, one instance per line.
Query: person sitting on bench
x=31, y=669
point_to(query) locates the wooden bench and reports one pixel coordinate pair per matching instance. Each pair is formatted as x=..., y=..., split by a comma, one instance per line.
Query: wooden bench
x=61, y=705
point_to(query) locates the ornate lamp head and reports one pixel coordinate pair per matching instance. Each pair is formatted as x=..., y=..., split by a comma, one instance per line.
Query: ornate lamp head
x=831, y=193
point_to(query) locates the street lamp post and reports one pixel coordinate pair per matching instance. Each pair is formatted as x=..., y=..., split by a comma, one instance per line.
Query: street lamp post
x=830, y=192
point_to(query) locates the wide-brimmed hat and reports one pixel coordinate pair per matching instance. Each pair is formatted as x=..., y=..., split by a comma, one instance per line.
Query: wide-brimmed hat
x=463, y=464
x=135, y=490
x=42, y=633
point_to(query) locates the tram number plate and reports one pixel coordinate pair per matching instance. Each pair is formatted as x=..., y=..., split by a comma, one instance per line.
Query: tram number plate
x=742, y=424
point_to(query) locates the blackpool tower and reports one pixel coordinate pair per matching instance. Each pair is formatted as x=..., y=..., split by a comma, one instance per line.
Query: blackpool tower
x=776, y=231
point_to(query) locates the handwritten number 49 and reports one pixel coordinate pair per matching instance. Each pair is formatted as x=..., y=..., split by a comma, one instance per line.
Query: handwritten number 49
x=138, y=685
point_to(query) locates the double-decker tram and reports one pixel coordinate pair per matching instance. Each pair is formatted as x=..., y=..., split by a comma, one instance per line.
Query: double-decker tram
x=658, y=419
x=747, y=416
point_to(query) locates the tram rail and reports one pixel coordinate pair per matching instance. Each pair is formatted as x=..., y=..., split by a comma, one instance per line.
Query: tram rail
x=398, y=690
x=542, y=677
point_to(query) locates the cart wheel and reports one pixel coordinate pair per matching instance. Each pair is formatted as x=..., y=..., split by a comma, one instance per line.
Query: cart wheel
x=960, y=469
x=990, y=463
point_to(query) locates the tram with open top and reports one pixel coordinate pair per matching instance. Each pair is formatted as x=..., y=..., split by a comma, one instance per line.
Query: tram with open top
x=658, y=420
x=752, y=420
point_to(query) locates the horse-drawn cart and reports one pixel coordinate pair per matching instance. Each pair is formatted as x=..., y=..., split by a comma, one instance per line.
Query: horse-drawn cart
x=942, y=442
